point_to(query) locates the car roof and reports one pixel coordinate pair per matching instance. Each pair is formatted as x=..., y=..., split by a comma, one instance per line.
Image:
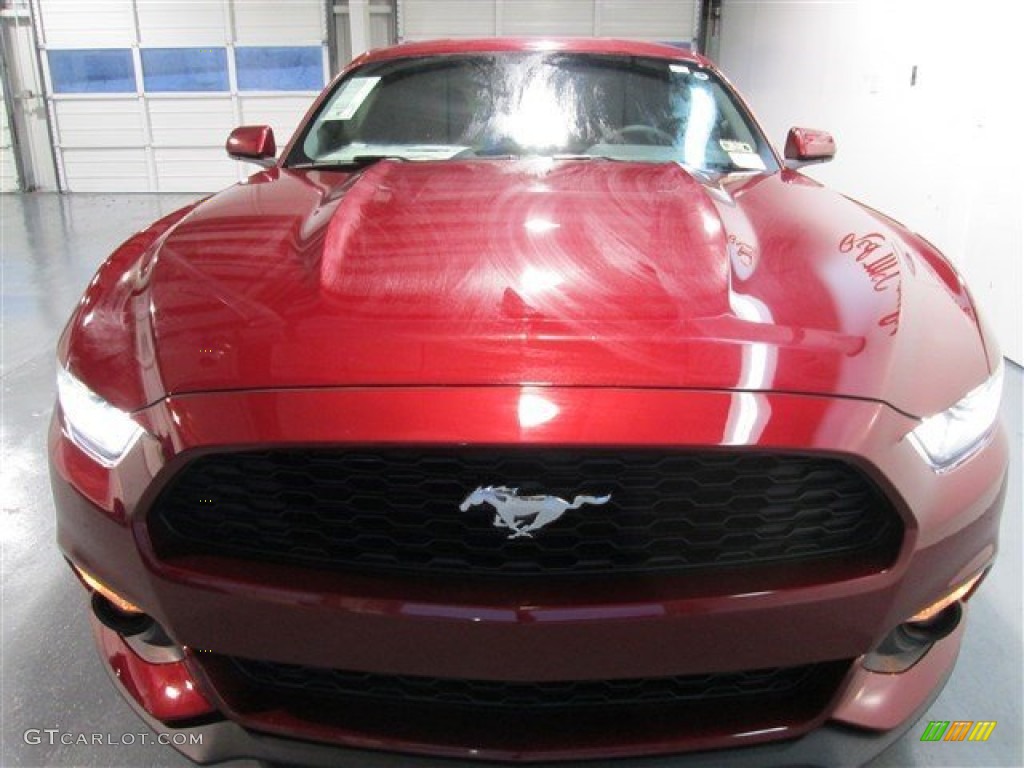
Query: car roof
x=500, y=44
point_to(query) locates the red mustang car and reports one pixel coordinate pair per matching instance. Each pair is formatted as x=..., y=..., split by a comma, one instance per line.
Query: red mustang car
x=529, y=407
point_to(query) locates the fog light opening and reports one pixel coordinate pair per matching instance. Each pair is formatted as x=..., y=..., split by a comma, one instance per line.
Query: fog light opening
x=97, y=586
x=909, y=642
x=938, y=626
x=958, y=594
x=112, y=617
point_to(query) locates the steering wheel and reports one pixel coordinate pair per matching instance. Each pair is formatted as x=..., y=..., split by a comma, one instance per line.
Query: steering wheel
x=649, y=131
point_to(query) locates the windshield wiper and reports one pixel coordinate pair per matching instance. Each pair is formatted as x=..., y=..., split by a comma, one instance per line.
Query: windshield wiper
x=357, y=162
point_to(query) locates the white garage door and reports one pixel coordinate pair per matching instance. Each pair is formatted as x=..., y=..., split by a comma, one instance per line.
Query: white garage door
x=143, y=93
x=670, y=21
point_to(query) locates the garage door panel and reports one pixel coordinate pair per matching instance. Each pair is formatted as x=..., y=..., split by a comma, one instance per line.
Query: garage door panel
x=542, y=17
x=171, y=23
x=424, y=19
x=100, y=123
x=658, y=20
x=652, y=19
x=273, y=22
x=190, y=122
x=106, y=170
x=194, y=170
x=104, y=24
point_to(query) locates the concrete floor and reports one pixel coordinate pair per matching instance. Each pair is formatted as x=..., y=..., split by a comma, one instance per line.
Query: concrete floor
x=51, y=676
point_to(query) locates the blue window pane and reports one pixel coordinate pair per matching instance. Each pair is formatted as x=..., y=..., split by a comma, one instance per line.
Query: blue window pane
x=93, y=71
x=185, y=69
x=280, y=69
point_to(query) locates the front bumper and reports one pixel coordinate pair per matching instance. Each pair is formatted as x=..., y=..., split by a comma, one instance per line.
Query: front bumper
x=832, y=745
x=516, y=632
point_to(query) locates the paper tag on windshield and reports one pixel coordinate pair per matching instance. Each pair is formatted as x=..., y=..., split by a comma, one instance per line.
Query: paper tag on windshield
x=351, y=98
x=731, y=145
x=742, y=154
x=748, y=161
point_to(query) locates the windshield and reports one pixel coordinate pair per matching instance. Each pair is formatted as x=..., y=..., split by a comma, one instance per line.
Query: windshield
x=551, y=104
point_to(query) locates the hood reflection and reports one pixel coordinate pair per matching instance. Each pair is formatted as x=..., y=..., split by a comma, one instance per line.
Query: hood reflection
x=749, y=411
x=535, y=409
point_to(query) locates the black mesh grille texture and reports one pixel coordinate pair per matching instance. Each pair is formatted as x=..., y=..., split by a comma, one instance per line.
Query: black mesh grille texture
x=398, y=510
x=333, y=684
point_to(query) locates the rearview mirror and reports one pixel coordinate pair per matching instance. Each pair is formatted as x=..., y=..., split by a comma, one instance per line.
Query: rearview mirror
x=805, y=146
x=252, y=143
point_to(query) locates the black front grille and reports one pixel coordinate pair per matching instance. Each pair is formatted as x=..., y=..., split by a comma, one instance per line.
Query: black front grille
x=334, y=684
x=399, y=510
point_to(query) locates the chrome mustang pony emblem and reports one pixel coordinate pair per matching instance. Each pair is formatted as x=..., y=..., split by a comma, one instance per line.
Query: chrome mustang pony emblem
x=524, y=514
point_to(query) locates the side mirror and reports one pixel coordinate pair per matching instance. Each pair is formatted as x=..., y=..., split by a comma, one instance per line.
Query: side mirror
x=805, y=146
x=252, y=143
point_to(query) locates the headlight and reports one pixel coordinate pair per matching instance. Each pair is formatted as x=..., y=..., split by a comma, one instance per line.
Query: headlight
x=951, y=436
x=97, y=427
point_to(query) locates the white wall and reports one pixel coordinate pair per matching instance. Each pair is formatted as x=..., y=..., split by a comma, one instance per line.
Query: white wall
x=943, y=156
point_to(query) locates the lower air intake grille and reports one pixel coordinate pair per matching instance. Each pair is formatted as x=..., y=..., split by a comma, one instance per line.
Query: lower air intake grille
x=289, y=679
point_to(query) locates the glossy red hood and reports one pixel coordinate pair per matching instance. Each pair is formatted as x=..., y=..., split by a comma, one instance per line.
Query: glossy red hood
x=583, y=273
